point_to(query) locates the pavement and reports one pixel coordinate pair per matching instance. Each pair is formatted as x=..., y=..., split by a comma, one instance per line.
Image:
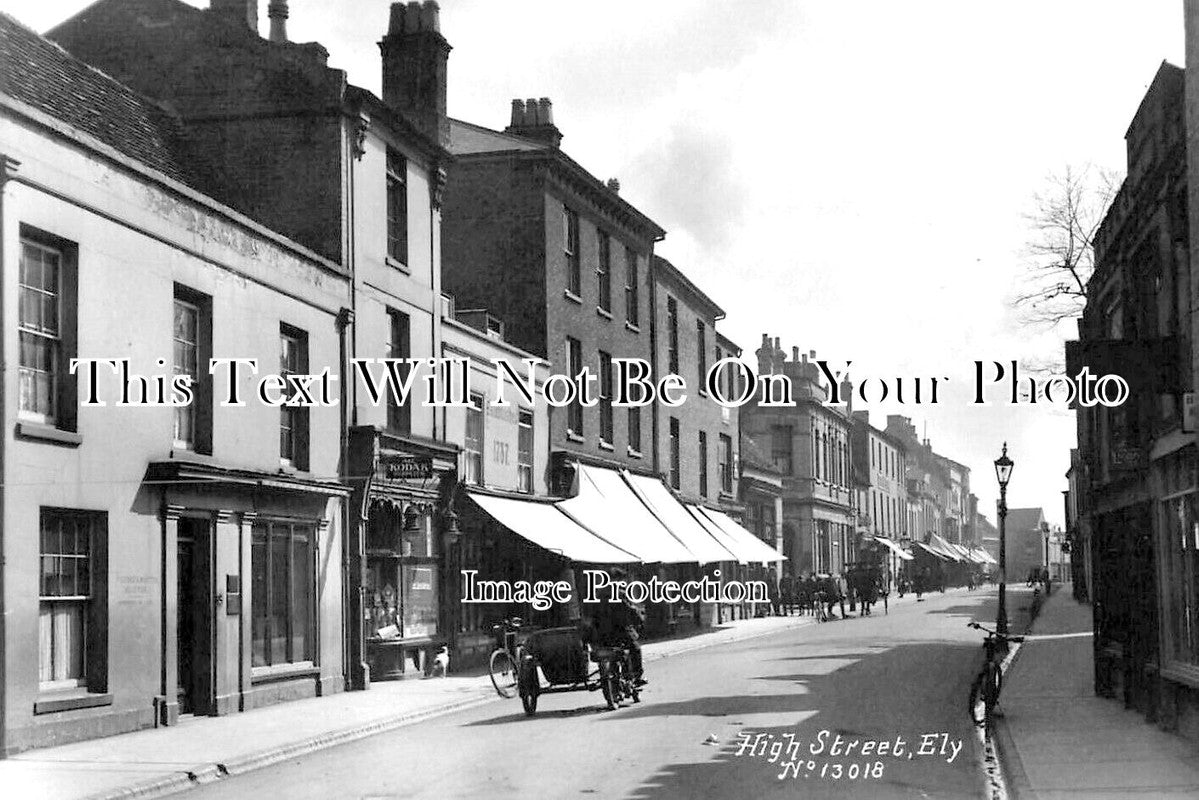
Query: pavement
x=160, y=761
x=1058, y=741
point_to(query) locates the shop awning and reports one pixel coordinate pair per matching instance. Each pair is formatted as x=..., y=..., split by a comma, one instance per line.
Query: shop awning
x=943, y=547
x=606, y=506
x=983, y=556
x=546, y=526
x=747, y=547
x=932, y=552
x=666, y=507
x=893, y=547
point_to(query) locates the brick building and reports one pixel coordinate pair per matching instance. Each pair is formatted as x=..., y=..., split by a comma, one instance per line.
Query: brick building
x=697, y=440
x=532, y=237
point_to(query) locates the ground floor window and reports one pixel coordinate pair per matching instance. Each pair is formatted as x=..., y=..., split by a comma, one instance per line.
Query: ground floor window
x=71, y=621
x=282, y=572
x=1179, y=521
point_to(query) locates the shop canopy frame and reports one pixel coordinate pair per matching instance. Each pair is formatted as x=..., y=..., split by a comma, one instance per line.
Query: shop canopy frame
x=547, y=526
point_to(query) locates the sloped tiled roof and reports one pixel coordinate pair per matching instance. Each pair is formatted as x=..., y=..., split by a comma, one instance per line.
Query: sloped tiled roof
x=41, y=74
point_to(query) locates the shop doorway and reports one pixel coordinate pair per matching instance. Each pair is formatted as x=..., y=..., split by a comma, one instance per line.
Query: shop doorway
x=194, y=613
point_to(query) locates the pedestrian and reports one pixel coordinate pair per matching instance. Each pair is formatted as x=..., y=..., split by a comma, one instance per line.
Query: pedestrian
x=772, y=591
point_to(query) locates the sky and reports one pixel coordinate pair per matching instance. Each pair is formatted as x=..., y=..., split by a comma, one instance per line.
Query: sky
x=852, y=177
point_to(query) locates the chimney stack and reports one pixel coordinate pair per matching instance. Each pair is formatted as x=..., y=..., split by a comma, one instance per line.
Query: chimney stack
x=534, y=119
x=765, y=355
x=415, y=62
x=238, y=12
x=276, y=11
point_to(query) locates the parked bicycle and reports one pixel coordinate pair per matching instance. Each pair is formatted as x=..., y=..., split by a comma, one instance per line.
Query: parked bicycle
x=989, y=683
x=506, y=656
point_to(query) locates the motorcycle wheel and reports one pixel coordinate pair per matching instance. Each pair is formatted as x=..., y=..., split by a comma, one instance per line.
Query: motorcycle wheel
x=610, y=685
x=527, y=685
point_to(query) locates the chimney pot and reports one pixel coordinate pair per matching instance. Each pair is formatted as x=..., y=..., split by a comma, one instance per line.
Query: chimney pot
x=545, y=111
x=614, y=184
x=431, y=16
x=518, y=113
x=532, y=112
x=412, y=17
x=794, y=353
x=396, y=25
x=277, y=13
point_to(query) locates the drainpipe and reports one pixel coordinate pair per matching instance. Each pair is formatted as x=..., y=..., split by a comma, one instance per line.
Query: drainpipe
x=8, y=168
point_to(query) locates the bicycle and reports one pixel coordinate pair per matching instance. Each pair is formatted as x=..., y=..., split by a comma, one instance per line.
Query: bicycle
x=989, y=682
x=502, y=666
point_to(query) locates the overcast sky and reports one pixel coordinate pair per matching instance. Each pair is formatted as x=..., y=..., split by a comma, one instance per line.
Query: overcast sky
x=849, y=176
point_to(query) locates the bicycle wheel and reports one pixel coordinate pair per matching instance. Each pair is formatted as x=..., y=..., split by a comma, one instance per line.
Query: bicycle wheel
x=975, y=696
x=992, y=683
x=503, y=673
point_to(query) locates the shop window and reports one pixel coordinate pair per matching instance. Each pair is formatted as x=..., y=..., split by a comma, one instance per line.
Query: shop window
x=72, y=635
x=401, y=580
x=283, y=592
x=524, y=452
x=472, y=448
x=1182, y=527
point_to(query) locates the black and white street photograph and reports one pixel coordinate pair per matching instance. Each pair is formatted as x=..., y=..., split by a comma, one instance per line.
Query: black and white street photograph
x=633, y=400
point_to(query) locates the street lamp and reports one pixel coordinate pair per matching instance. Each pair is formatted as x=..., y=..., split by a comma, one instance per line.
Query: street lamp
x=1003, y=473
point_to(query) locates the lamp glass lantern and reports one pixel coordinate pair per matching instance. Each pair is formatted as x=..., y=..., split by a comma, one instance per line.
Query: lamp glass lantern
x=1003, y=468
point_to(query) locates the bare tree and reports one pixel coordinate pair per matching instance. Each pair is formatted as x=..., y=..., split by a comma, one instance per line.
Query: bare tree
x=1060, y=251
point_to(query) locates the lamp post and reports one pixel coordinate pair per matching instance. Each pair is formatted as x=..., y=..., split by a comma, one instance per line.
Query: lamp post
x=1003, y=473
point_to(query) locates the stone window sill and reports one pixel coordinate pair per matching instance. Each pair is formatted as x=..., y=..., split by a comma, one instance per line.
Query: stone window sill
x=632, y=326
x=606, y=445
x=50, y=703
x=284, y=672
x=48, y=433
x=603, y=312
x=574, y=437
x=634, y=453
x=574, y=298
x=396, y=264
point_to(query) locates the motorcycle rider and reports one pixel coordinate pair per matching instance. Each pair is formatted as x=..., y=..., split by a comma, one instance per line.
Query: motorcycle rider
x=618, y=624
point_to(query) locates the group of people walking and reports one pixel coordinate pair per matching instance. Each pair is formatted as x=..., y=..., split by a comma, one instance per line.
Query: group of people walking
x=822, y=594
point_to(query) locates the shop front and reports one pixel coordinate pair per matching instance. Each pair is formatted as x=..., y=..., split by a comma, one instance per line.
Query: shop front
x=406, y=528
